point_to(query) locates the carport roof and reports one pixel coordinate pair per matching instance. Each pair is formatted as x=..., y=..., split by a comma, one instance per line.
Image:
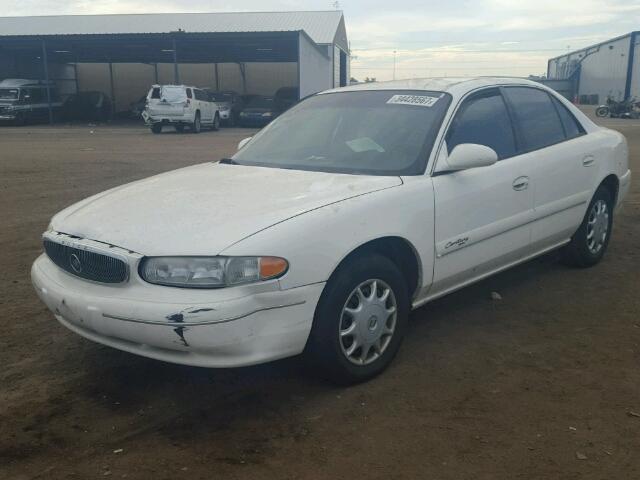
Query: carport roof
x=321, y=26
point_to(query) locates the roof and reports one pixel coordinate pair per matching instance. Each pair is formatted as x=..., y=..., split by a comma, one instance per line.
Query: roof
x=595, y=45
x=439, y=84
x=321, y=26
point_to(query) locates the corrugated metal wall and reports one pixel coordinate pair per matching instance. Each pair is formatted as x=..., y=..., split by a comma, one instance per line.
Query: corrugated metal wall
x=315, y=69
x=131, y=81
x=635, y=71
x=603, y=71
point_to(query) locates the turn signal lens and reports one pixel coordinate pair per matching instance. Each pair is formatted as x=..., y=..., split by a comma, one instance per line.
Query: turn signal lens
x=271, y=267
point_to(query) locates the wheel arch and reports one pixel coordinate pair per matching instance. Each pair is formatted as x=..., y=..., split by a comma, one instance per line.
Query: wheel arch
x=612, y=183
x=397, y=249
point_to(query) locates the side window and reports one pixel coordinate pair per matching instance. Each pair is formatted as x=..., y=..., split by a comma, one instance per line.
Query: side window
x=199, y=94
x=38, y=95
x=189, y=94
x=538, y=121
x=572, y=128
x=155, y=92
x=483, y=119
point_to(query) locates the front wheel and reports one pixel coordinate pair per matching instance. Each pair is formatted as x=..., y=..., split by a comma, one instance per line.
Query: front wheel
x=216, y=123
x=602, y=112
x=157, y=128
x=360, y=320
x=589, y=243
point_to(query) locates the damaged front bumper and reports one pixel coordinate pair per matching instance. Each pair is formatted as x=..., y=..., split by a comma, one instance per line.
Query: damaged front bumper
x=209, y=328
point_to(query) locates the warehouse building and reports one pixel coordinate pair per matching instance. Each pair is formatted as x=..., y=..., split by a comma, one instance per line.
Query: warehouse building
x=610, y=68
x=122, y=55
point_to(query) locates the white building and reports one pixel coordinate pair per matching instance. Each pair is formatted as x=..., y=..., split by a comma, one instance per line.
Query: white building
x=607, y=68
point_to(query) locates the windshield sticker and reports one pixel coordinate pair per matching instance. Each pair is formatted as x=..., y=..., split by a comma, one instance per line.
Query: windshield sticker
x=364, y=144
x=419, y=100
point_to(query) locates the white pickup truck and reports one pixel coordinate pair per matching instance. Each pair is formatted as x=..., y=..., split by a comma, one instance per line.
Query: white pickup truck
x=180, y=106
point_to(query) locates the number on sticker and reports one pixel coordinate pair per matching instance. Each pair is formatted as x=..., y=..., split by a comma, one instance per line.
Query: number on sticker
x=418, y=100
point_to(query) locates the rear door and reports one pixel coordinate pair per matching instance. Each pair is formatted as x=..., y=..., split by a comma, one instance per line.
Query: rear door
x=168, y=101
x=560, y=160
x=482, y=215
x=204, y=105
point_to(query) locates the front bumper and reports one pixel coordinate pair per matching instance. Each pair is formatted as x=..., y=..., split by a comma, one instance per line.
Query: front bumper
x=166, y=323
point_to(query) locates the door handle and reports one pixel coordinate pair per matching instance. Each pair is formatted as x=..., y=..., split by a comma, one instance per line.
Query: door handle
x=588, y=161
x=521, y=183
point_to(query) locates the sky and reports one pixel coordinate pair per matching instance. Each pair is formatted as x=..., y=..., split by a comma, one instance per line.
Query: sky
x=423, y=38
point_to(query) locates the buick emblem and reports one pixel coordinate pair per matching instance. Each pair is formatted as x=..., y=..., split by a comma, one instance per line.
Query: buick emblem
x=75, y=263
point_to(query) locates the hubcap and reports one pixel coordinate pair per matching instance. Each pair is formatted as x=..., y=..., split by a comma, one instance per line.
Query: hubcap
x=367, y=322
x=597, y=226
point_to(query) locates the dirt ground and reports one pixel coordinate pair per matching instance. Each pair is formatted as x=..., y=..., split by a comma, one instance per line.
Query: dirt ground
x=544, y=384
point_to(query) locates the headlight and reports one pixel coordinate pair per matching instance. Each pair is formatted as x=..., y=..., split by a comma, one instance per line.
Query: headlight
x=267, y=114
x=210, y=272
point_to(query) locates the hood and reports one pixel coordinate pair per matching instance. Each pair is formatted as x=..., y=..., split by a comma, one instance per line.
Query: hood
x=202, y=210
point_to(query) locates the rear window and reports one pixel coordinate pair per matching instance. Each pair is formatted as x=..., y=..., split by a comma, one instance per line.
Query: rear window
x=537, y=118
x=572, y=128
x=170, y=94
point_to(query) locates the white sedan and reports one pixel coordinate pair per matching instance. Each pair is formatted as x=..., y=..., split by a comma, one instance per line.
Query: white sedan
x=326, y=228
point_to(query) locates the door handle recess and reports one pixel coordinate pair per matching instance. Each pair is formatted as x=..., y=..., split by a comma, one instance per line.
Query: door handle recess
x=588, y=160
x=521, y=183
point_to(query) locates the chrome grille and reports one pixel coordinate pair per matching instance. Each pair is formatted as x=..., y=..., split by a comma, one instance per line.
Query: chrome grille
x=87, y=264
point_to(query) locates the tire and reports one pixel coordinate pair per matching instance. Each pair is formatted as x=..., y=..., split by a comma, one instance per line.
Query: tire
x=330, y=343
x=157, y=128
x=589, y=244
x=216, y=123
x=180, y=128
x=602, y=112
x=196, y=126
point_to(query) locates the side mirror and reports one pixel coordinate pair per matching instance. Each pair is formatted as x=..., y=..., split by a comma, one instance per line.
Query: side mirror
x=243, y=142
x=466, y=156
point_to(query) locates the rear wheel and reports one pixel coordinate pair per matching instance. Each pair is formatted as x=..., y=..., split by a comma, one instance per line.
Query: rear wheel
x=216, y=123
x=602, y=112
x=157, y=128
x=360, y=320
x=196, y=126
x=591, y=240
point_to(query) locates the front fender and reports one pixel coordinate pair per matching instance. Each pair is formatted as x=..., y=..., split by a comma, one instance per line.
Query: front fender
x=316, y=242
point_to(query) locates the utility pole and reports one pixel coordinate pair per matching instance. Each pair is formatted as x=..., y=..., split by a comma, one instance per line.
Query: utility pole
x=394, y=64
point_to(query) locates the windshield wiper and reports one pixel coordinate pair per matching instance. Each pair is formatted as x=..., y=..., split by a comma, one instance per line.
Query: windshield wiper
x=228, y=161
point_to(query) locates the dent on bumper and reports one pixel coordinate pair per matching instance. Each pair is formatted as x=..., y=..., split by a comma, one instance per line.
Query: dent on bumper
x=244, y=331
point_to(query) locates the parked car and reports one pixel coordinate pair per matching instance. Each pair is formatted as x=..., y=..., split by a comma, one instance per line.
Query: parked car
x=25, y=101
x=180, y=106
x=136, y=108
x=87, y=106
x=230, y=104
x=325, y=229
x=286, y=97
x=258, y=111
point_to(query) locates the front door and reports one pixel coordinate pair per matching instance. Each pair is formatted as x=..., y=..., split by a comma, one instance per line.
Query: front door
x=482, y=215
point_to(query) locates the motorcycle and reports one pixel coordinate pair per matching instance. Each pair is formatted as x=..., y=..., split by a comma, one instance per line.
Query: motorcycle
x=629, y=108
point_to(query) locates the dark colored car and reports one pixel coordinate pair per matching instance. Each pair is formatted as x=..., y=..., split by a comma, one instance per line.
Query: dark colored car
x=136, y=108
x=88, y=106
x=286, y=97
x=230, y=104
x=258, y=112
x=26, y=101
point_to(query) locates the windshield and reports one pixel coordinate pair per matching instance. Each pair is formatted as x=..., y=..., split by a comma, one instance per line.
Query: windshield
x=260, y=102
x=375, y=132
x=220, y=97
x=9, y=93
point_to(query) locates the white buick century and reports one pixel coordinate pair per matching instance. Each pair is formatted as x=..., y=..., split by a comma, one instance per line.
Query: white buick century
x=326, y=228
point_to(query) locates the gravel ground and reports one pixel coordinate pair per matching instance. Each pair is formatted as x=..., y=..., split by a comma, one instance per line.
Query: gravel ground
x=543, y=384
